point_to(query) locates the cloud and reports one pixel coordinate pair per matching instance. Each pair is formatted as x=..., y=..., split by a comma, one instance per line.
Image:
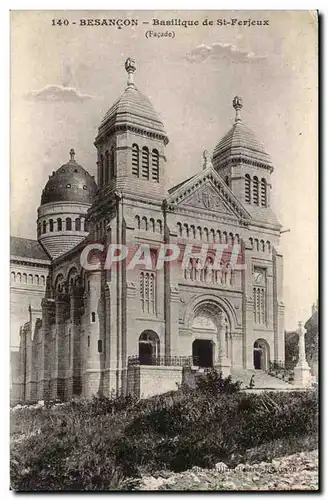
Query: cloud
x=58, y=93
x=227, y=51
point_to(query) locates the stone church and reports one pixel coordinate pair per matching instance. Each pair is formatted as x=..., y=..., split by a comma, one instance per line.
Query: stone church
x=136, y=329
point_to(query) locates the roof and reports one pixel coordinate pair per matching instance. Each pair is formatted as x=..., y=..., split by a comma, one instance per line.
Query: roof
x=135, y=109
x=71, y=182
x=26, y=248
x=174, y=188
x=241, y=142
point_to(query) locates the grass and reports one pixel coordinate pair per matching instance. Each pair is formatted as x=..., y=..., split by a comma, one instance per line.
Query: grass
x=98, y=445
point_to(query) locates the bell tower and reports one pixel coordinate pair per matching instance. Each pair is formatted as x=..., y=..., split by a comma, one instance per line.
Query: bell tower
x=131, y=144
x=242, y=161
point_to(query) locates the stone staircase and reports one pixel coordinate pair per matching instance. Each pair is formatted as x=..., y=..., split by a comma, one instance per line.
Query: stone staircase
x=262, y=381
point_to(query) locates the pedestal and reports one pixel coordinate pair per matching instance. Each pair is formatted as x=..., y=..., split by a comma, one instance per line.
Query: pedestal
x=302, y=371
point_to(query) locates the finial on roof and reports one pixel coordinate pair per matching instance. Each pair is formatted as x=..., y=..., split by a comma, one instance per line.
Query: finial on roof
x=72, y=154
x=207, y=160
x=237, y=104
x=130, y=68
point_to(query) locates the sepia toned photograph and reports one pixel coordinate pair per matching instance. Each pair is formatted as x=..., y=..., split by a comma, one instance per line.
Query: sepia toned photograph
x=164, y=308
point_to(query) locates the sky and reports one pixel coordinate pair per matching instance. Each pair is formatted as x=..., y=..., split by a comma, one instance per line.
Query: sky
x=65, y=78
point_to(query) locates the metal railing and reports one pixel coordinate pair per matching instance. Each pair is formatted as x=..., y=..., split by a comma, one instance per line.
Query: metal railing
x=163, y=360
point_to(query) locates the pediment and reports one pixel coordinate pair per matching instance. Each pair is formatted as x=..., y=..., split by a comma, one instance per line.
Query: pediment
x=207, y=192
x=207, y=197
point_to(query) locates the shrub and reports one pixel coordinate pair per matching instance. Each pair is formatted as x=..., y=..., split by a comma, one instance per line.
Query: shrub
x=213, y=383
x=97, y=444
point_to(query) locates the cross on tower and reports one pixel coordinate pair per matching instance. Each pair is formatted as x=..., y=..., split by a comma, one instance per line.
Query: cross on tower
x=72, y=154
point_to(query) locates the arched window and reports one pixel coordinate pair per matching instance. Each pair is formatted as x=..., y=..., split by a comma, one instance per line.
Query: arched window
x=135, y=160
x=101, y=170
x=78, y=224
x=159, y=226
x=137, y=218
x=30, y=279
x=86, y=226
x=12, y=275
x=147, y=292
x=106, y=167
x=44, y=227
x=205, y=234
x=179, y=226
x=37, y=281
x=68, y=224
x=43, y=280
x=263, y=193
x=247, y=188
x=262, y=247
x=19, y=277
x=255, y=190
x=152, y=224
x=155, y=165
x=39, y=229
x=24, y=280
x=51, y=225
x=226, y=180
x=59, y=225
x=145, y=163
x=99, y=345
x=251, y=242
x=93, y=317
x=268, y=246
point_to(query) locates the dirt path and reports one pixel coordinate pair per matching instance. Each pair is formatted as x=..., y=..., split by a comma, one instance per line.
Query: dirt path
x=293, y=472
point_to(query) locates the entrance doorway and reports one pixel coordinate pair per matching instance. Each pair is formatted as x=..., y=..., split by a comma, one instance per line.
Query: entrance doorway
x=261, y=355
x=202, y=353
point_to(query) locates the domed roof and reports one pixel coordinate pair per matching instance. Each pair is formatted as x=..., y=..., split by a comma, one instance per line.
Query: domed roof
x=133, y=109
x=240, y=142
x=70, y=182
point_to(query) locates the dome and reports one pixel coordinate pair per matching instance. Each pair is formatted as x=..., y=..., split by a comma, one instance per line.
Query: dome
x=241, y=143
x=133, y=109
x=70, y=182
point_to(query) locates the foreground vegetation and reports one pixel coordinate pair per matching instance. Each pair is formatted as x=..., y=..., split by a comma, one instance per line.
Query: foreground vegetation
x=103, y=444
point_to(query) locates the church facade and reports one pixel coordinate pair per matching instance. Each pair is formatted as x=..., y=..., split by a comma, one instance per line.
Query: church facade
x=134, y=326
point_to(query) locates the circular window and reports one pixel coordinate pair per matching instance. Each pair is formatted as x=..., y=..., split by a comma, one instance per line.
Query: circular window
x=68, y=185
x=76, y=171
x=85, y=187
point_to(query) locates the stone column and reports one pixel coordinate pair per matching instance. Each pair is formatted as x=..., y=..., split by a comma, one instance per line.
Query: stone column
x=223, y=364
x=302, y=372
x=60, y=355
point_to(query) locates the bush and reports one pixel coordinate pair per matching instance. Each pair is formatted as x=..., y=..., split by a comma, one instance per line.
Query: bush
x=97, y=444
x=213, y=383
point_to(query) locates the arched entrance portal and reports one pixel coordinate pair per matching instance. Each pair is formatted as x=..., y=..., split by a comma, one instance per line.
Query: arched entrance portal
x=202, y=353
x=210, y=330
x=148, y=347
x=261, y=355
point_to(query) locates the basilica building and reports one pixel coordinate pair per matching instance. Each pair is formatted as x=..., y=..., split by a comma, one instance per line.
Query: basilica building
x=123, y=329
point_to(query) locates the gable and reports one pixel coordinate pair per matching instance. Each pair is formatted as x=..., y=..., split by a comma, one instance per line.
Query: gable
x=207, y=192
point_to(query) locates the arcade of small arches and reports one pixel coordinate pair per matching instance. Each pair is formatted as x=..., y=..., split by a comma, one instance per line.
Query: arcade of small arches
x=260, y=245
x=149, y=224
x=255, y=190
x=205, y=234
x=30, y=279
x=145, y=164
x=59, y=224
